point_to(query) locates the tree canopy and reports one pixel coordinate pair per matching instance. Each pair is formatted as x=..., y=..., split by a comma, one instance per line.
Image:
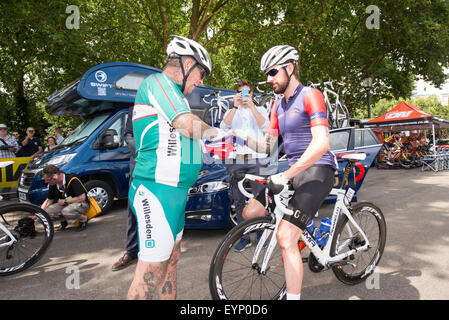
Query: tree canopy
x=394, y=41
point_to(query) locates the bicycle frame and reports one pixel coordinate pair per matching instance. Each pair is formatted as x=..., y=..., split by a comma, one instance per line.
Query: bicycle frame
x=8, y=234
x=322, y=255
x=2, y=227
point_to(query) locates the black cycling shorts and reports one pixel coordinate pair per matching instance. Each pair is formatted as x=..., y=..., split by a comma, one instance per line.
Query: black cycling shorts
x=311, y=188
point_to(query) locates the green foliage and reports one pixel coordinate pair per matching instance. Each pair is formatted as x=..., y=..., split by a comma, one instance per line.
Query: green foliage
x=40, y=55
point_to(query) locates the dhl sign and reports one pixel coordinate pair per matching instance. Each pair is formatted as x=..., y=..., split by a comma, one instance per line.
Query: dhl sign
x=10, y=175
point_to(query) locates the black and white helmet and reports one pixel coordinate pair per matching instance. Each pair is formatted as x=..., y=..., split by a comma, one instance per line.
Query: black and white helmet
x=180, y=46
x=278, y=55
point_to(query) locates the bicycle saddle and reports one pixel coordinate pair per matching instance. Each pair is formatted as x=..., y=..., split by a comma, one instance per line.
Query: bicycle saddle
x=352, y=156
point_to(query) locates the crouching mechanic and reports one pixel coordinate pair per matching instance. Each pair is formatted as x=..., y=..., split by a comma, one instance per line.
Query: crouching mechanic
x=301, y=119
x=72, y=201
x=169, y=157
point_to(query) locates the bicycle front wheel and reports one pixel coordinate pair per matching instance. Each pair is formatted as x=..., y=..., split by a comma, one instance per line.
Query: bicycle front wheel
x=234, y=276
x=357, y=267
x=33, y=231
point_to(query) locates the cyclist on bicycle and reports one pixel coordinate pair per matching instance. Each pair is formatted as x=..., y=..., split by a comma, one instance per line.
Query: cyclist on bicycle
x=168, y=160
x=300, y=118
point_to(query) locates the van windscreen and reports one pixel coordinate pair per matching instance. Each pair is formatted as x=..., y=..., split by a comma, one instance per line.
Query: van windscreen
x=85, y=129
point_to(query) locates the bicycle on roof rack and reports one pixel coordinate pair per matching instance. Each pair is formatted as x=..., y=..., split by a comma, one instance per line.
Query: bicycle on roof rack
x=219, y=105
x=337, y=113
x=26, y=232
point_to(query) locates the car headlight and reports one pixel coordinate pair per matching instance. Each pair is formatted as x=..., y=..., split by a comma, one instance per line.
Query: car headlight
x=60, y=160
x=209, y=187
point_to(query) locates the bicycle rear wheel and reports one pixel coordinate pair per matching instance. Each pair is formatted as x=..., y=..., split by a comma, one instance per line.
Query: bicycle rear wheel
x=213, y=116
x=267, y=102
x=33, y=238
x=404, y=162
x=233, y=276
x=341, y=116
x=362, y=264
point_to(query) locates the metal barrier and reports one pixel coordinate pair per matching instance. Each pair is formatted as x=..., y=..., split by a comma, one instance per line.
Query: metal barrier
x=436, y=162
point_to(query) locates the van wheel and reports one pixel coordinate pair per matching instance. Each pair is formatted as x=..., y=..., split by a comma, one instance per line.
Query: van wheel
x=102, y=192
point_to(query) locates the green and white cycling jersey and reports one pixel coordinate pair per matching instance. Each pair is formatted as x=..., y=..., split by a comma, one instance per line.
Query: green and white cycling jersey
x=163, y=154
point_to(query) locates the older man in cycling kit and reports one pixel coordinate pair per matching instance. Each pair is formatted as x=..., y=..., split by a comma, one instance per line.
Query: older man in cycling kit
x=300, y=118
x=168, y=160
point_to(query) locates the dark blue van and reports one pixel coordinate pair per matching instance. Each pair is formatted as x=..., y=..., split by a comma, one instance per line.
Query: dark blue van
x=96, y=151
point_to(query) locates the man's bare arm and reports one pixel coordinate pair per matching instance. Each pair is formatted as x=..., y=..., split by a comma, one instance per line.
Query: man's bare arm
x=267, y=145
x=193, y=127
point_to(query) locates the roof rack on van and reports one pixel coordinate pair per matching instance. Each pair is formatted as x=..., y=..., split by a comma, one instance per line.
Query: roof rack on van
x=100, y=88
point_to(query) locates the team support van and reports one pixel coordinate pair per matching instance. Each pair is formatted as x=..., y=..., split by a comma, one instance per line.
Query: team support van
x=96, y=151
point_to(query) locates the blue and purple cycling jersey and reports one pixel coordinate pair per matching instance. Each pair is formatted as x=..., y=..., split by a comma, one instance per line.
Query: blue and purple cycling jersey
x=294, y=119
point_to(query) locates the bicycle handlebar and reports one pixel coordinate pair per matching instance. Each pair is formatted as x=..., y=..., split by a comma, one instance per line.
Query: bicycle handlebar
x=324, y=84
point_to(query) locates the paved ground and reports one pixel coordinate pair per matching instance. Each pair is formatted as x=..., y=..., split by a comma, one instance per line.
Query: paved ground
x=414, y=264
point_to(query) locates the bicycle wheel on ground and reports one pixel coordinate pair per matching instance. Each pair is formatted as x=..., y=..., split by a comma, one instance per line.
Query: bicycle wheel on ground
x=213, y=116
x=362, y=264
x=405, y=163
x=31, y=227
x=234, y=276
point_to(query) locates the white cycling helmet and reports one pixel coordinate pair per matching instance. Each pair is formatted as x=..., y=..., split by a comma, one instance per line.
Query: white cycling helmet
x=180, y=46
x=278, y=55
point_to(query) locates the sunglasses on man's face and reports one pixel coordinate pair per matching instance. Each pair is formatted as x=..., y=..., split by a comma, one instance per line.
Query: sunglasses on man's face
x=202, y=70
x=275, y=70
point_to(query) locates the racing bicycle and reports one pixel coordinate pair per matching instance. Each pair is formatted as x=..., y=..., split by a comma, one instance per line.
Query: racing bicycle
x=337, y=113
x=219, y=104
x=355, y=245
x=26, y=232
x=399, y=158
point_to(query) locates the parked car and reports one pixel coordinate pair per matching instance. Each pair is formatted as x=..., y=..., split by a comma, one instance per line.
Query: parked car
x=209, y=205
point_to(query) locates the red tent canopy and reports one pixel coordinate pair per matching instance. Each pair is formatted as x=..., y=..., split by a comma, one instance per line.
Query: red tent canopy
x=406, y=116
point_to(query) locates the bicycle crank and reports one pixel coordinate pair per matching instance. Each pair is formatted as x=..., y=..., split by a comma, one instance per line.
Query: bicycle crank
x=314, y=265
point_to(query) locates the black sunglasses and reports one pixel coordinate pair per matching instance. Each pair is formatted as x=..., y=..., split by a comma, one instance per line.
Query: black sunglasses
x=202, y=70
x=275, y=70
